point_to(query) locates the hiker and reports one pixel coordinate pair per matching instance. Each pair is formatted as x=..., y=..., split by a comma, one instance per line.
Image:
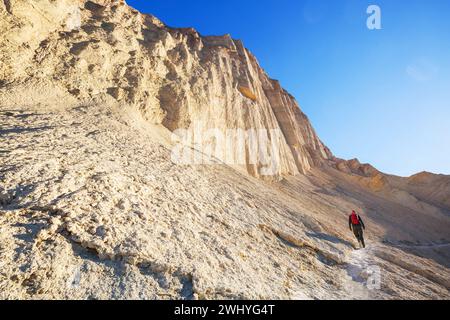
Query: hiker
x=356, y=225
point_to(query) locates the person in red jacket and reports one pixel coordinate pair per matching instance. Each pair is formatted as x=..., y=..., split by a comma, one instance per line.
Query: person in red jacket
x=356, y=225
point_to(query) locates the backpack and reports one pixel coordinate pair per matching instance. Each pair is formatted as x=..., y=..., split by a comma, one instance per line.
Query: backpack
x=355, y=219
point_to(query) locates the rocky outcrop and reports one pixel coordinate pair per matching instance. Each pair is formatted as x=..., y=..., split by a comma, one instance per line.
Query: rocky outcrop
x=176, y=77
x=355, y=167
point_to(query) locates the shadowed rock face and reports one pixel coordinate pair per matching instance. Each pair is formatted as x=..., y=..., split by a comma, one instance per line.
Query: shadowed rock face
x=175, y=77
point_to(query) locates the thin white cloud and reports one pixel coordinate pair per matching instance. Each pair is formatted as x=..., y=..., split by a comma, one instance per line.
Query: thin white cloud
x=422, y=70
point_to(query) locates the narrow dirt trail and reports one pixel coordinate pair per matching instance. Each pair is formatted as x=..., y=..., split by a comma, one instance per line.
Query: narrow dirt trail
x=424, y=246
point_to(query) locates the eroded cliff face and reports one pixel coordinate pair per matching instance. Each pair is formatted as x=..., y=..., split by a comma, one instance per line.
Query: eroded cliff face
x=77, y=50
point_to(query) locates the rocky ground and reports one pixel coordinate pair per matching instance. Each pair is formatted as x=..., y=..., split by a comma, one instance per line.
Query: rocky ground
x=92, y=207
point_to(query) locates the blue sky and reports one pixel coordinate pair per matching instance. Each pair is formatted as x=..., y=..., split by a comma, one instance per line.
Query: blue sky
x=382, y=96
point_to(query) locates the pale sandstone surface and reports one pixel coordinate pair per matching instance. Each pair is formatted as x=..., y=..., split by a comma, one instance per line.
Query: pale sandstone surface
x=93, y=207
x=174, y=77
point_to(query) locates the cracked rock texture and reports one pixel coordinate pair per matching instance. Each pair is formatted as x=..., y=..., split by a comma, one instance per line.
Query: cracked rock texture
x=92, y=205
x=175, y=77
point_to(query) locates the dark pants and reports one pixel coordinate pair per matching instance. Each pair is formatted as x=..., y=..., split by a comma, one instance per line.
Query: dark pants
x=359, y=234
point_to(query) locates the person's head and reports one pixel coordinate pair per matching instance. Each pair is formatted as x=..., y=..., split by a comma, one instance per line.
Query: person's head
x=353, y=212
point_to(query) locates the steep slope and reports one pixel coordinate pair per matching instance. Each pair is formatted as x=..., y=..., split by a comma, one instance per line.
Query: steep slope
x=93, y=208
